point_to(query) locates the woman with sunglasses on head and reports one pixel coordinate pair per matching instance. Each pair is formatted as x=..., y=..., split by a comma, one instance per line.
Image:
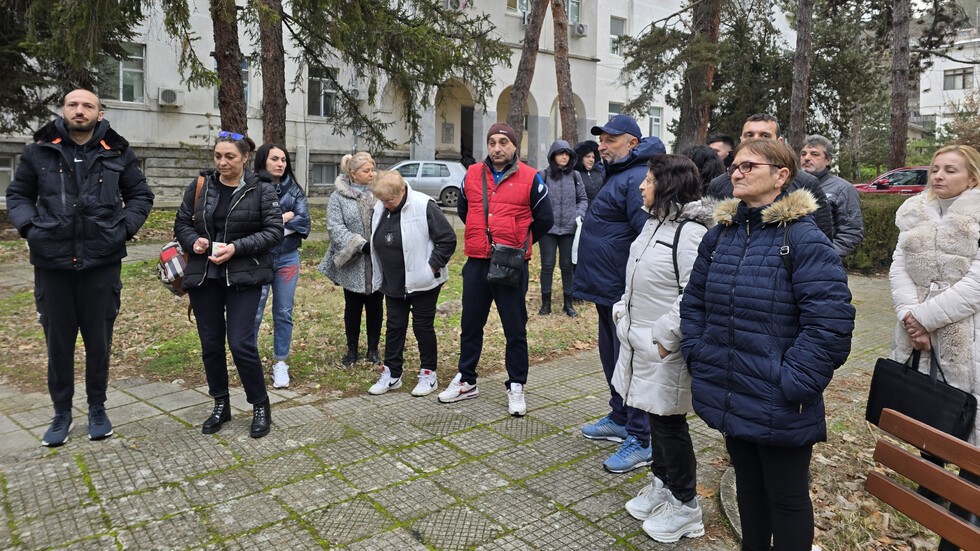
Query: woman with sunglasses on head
x=348, y=259
x=766, y=318
x=228, y=222
x=272, y=162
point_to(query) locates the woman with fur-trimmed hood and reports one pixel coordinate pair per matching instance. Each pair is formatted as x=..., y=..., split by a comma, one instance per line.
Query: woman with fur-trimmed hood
x=762, y=333
x=348, y=259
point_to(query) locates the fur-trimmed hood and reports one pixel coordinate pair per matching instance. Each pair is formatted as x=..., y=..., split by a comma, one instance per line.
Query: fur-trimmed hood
x=701, y=211
x=788, y=207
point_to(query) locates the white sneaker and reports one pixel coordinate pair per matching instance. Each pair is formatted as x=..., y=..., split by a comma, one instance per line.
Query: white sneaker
x=675, y=520
x=515, y=400
x=648, y=501
x=385, y=383
x=427, y=383
x=458, y=390
x=280, y=375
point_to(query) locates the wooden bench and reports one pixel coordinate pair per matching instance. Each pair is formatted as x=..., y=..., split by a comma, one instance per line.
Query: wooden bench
x=925, y=473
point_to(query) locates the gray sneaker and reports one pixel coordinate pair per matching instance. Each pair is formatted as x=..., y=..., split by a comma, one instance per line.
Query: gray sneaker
x=57, y=433
x=99, y=426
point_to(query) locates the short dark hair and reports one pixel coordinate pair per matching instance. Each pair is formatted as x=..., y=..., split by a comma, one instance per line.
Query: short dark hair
x=765, y=117
x=724, y=138
x=244, y=145
x=262, y=155
x=814, y=140
x=678, y=183
x=777, y=153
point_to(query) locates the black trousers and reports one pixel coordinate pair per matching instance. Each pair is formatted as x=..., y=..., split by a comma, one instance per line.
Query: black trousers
x=478, y=295
x=673, y=455
x=554, y=247
x=773, y=495
x=229, y=310
x=373, y=305
x=69, y=301
x=422, y=306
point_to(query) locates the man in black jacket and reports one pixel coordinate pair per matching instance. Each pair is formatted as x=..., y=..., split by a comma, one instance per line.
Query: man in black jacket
x=78, y=195
x=764, y=126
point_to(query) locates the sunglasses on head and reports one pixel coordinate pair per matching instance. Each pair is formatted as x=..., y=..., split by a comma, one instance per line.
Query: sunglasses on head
x=232, y=135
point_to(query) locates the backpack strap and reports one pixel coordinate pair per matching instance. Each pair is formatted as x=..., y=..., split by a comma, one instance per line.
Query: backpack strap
x=784, y=252
x=677, y=271
x=721, y=235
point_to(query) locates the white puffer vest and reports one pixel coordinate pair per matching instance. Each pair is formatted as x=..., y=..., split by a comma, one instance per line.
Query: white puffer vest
x=416, y=245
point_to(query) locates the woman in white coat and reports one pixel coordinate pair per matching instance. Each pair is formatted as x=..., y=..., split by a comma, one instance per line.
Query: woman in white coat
x=935, y=275
x=651, y=374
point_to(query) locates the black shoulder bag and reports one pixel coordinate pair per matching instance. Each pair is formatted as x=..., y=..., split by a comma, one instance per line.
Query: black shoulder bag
x=506, y=263
x=923, y=397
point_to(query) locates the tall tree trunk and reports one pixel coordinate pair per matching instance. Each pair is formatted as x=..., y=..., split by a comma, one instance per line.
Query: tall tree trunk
x=231, y=91
x=273, y=72
x=900, y=84
x=801, y=75
x=525, y=69
x=563, y=72
x=698, y=78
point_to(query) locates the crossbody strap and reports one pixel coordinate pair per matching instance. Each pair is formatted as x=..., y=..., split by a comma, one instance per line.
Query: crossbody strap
x=486, y=212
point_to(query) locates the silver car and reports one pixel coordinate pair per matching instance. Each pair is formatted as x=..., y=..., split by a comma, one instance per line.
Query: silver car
x=437, y=179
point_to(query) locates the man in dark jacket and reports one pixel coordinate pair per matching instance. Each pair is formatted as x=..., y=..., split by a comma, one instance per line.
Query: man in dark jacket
x=613, y=221
x=78, y=195
x=765, y=126
x=815, y=158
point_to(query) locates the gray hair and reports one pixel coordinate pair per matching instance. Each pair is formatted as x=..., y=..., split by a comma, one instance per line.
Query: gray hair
x=815, y=140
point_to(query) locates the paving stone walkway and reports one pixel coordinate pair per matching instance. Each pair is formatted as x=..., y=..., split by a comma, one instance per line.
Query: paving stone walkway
x=364, y=472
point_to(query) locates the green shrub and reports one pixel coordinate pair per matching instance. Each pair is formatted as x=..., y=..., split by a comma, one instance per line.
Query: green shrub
x=874, y=254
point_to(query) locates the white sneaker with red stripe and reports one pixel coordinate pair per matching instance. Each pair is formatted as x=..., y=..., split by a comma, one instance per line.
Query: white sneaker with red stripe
x=458, y=390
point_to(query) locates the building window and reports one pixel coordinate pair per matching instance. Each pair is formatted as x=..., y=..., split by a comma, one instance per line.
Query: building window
x=244, y=82
x=324, y=174
x=617, y=28
x=6, y=174
x=958, y=79
x=656, y=115
x=123, y=80
x=573, y=10
x=517, y=5
x=322, y=94
x=615, y=108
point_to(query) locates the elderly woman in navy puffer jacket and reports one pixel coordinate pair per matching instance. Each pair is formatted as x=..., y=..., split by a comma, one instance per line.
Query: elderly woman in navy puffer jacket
x=569, y=201
x=762, y=336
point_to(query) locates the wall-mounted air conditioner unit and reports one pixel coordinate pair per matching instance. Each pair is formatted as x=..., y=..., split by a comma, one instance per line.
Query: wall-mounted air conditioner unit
x=457, y=4
x=171, y=97
x=358, y=93
x=579, y=30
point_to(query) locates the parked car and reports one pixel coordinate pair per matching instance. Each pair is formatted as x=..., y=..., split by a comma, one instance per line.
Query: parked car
x=437, y=179
x=907, y=181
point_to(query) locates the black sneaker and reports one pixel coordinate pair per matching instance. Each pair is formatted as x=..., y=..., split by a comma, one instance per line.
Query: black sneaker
x=99, y=426
x=58, y=431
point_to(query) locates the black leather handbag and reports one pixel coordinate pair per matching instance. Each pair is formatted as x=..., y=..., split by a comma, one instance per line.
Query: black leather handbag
x=506, y=262
x=923, y=397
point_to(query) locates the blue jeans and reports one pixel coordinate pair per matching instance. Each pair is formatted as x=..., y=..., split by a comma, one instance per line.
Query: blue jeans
x=283, y=289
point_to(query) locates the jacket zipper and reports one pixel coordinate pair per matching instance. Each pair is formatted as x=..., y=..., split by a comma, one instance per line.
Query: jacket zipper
x=231, y=208
x=731, y=327
x=629, y=303
x=204, y=220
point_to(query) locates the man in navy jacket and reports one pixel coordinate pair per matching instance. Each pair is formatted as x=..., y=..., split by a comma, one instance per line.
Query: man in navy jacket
x=613, y=221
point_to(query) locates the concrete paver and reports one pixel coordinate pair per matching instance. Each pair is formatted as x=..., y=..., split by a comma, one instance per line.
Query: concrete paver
x=362, y=472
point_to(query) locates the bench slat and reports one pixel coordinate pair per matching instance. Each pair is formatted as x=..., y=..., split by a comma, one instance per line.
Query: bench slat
x=923, y=511
x=930, y=440
x=930, y=475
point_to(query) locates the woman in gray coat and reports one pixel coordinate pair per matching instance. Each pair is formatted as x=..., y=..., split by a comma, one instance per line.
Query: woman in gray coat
x=348, y=259
x=569, y=201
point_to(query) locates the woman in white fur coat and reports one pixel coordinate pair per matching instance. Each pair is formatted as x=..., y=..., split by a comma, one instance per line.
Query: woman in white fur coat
x=935, y=274
x=651, y=374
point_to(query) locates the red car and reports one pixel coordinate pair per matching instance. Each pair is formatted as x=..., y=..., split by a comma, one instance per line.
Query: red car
x=907, y=181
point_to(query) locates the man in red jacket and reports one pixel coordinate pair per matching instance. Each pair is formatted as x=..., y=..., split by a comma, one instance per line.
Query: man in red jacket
x=519, y=211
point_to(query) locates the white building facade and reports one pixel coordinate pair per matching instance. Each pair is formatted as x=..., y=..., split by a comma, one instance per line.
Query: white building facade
x=943, y=88
x=171, y=127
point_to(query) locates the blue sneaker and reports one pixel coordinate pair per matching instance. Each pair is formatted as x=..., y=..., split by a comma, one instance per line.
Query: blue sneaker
x=57, y=433
x=631, y=455
x=99, y=426
x=605, y=429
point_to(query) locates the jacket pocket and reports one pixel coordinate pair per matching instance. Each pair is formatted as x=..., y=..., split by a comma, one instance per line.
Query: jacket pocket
x=106, y=237
x=50, y=239
x=108, y=184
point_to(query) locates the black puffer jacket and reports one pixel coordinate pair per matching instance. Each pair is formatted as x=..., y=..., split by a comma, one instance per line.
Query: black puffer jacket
x=253, y=226
x=78, y=215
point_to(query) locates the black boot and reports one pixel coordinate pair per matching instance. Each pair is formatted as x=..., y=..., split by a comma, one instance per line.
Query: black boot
x=220, y=414
x=261, y=419
x=351, y=356
x=372, y=351
x=568, y=309
x=545, y=304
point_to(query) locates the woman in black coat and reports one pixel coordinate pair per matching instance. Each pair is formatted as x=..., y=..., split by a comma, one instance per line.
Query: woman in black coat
x=228, y=221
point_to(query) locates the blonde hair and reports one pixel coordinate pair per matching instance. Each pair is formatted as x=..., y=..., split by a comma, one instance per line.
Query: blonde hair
x=970, y=156
x=354, y=162
x=387, y=184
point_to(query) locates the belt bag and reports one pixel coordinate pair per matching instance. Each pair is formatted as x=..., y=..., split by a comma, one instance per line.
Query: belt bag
x=506, y=262
x=923, y=397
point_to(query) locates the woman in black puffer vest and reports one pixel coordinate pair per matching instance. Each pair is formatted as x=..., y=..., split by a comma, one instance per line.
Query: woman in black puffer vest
x=228, y=229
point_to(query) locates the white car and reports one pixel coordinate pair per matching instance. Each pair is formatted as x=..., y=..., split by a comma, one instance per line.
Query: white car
x=437, y=179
